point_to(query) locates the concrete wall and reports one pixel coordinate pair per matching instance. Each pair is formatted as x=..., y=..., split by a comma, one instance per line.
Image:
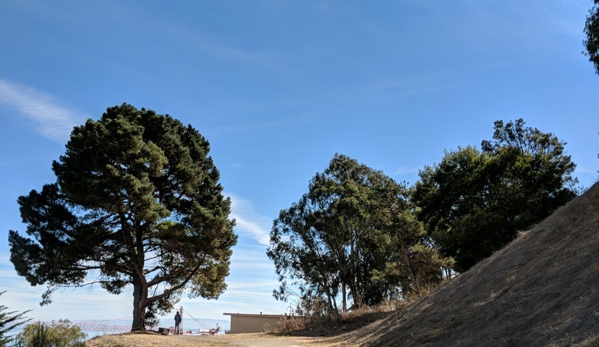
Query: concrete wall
x=251, y=323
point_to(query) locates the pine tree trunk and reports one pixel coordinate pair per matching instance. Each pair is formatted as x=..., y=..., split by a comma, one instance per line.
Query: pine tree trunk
x=140, y=297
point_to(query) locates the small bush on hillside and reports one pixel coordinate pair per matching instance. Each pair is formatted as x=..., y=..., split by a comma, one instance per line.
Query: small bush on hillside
x=308, y=312
x=57, y=334
x=310, y=315
x=288, y=324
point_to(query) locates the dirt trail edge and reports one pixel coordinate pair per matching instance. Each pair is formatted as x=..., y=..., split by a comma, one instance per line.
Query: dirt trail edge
x=243, y=340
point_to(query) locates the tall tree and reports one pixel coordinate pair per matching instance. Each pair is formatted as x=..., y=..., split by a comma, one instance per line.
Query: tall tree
x=136, y=202
x=474, y=202
x=591, y=30
x=591, y=43
x=354, y=234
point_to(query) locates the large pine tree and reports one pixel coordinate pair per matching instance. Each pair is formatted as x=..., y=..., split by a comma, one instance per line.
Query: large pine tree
x=136, y=202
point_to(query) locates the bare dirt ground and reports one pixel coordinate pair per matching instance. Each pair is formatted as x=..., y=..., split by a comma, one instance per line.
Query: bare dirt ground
x=245, y=340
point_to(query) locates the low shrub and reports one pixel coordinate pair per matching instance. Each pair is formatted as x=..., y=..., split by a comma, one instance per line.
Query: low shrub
x=310, y=315
x=55, y=334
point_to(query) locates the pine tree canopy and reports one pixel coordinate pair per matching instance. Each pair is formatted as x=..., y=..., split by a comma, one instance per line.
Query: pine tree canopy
x=136, y=202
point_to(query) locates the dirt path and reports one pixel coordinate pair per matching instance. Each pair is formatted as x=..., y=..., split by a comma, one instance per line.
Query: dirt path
x=251, y=340
x=242, y=340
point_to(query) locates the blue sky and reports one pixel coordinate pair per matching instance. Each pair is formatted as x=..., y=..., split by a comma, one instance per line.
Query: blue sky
x=279, y=87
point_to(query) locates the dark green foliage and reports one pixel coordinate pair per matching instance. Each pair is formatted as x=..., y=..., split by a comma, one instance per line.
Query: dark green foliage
x=591, y=30
x=591, y=43
x=354, y=234
x=9, y=321
x=136, y=201
x=474, y=202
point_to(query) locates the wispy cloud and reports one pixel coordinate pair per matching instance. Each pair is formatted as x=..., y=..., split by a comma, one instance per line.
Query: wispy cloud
x=394, y=88
x=262, y=126
x=263, y=294
x=414, y=85
x=249, y=254
x=405, y=170
x=220, y=47
x=249, y=222
x=269, y=284
x=248, y=262
x=265, y=59
x=50, y=117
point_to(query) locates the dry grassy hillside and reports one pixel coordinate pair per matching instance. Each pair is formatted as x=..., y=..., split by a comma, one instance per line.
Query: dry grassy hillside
x=540, y=290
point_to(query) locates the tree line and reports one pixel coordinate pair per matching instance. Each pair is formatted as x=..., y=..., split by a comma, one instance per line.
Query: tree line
x=137, y=202
x=360, y=237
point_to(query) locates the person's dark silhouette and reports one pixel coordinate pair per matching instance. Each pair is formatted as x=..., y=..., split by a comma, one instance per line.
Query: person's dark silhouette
x=177, y=322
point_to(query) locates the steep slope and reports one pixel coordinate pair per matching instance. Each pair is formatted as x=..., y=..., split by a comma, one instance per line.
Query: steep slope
x=540, y=290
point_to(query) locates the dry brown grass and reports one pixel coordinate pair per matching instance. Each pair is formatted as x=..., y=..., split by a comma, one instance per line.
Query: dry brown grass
x=142, y=339
x=540, y=290
x=151, y=339
x=329, y=325
x=326, y=325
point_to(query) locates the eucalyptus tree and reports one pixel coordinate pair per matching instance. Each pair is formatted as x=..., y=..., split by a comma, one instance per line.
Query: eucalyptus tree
x=591, y=30
x=136, y=202
x=353, y=235
x=591, y=42
x=474, y=201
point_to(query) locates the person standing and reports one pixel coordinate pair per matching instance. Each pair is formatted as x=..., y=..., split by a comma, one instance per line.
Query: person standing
x=177, y=322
